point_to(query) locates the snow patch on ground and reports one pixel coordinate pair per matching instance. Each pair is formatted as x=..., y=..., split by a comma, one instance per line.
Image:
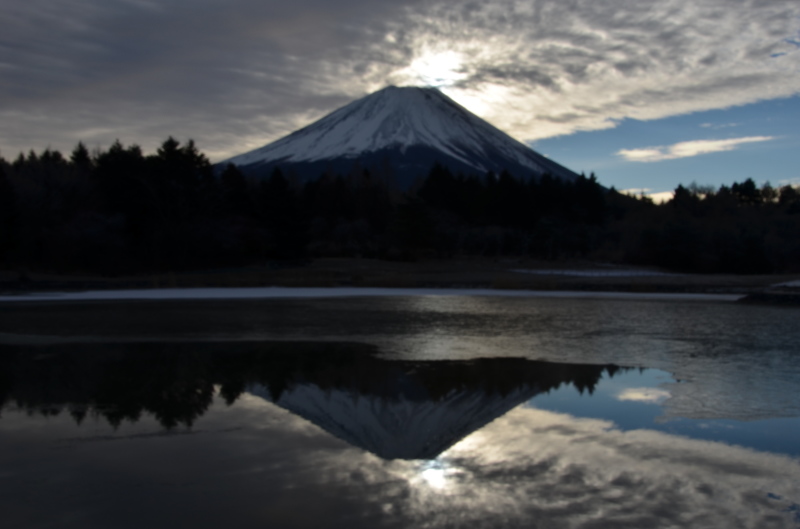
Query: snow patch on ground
x=341, y=292
x=597, y=273
x=790, y=284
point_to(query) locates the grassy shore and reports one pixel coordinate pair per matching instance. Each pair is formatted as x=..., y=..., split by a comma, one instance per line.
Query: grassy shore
x=434, y=273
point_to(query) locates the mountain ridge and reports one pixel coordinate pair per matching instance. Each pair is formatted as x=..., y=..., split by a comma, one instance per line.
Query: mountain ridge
x=402, y=131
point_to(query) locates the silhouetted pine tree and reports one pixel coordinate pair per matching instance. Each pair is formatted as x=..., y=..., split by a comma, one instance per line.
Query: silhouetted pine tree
x=280, y=212
x=7, y=216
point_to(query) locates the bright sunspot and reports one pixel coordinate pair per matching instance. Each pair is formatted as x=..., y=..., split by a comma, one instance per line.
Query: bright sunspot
x=436, y=473
x=436, y=69
x=435, y=477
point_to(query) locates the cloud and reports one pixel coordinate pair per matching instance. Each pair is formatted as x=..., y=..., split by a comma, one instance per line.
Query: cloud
x=686, y=149
x=717, y=126
x=650, y=395
x=237, y=74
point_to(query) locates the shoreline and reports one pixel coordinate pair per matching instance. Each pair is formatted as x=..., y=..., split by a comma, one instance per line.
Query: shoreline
x=266, y=293
x=445, y=275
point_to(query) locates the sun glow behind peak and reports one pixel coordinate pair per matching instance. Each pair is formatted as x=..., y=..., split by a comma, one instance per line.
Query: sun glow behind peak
x=439, y=69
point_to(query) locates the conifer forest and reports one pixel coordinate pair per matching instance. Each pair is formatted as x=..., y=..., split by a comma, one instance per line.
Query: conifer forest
x=119, y=211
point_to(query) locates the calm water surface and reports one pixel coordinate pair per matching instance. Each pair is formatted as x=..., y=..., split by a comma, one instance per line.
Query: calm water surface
x=404, y=412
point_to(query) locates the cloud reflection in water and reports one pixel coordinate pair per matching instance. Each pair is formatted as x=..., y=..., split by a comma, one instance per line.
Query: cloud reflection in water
x=262, y=463
x=652, y=395
x=538, y=465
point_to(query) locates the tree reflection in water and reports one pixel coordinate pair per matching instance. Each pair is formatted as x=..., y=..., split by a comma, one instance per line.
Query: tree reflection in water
x=176, y=383
x=477, y=459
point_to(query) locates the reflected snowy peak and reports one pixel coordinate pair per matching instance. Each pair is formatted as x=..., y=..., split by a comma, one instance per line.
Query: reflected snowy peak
x=417, y=410
x=394, y=409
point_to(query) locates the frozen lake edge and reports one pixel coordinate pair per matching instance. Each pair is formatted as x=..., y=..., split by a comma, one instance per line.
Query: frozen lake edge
x=243, y=293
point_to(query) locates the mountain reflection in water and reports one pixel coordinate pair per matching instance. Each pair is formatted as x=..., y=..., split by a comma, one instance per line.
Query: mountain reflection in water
x=394, y=409
x=223, y=434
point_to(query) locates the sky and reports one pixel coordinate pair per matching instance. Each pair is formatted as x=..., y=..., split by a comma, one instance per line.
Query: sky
x=646, y=94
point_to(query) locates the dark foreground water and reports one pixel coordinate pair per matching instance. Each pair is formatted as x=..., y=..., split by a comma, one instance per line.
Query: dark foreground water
x=410, y=412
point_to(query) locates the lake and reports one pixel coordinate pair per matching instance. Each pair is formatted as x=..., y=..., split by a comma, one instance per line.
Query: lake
x=400, y=411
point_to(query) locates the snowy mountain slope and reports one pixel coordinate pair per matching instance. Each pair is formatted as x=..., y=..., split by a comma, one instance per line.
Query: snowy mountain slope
x=413, y=410
x=408, y=128
x=402, y=426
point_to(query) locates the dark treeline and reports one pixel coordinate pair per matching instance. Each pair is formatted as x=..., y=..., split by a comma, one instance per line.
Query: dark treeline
x=176, y=382
x=118, y=211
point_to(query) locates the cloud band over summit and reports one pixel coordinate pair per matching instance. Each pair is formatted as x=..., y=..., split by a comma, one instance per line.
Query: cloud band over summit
x=234, y=75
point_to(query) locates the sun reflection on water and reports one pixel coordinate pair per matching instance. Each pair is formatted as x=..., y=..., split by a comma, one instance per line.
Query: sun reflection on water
x=437, y=474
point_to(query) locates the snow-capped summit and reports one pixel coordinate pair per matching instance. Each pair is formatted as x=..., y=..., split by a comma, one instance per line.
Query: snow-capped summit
x=404, y=131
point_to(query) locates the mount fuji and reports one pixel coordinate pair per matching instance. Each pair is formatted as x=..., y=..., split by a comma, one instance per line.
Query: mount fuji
x=398, y=133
